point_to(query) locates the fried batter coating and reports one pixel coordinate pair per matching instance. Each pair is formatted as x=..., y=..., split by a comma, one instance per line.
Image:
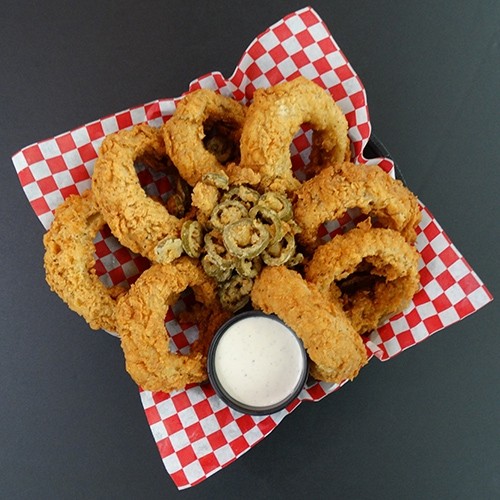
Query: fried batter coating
x=335, y=349
x=141, y=325
x=138, y=221
x=205, y=198
x=236, y=213
x=184, y=132
x=339, y=187
x=69, y=262
x=385, y=255
x=242, y=175
x=273, y=119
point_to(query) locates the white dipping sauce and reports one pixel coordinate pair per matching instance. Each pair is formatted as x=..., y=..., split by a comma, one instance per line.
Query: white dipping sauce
x=259, y=362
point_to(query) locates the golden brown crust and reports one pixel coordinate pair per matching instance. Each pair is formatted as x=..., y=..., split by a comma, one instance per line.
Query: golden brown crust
x=201, y=138
x=335, y=349
x=184, y=132
x=388, y=256
x=138, y=221
x=239, y=175
x=69, y=262
x=339, y=187
x=141, y=325
x=273, y=119
x=204, y=197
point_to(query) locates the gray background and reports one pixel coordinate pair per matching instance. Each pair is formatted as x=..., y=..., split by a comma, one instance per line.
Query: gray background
x=424, y=425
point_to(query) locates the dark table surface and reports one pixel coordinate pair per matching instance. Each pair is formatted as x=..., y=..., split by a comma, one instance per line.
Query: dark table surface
x=425, y=424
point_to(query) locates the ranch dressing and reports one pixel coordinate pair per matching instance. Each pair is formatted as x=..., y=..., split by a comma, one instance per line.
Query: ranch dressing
x=259, y=362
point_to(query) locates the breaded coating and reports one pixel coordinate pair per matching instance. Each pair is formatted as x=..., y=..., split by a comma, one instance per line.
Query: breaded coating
x=205, y=198
x=69, y=262
x=339, y=187
x=141, y=325
x=336, y=351
x=385, y=255
x=239, y=175
x=137, y=220
x=273, y=119
x=184, y=132
x=236, y=224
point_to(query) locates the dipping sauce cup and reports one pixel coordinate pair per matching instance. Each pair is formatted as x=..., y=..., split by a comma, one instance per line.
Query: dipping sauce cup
x=257, y=364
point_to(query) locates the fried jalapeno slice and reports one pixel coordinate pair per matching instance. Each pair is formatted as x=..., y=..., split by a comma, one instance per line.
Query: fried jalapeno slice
x=220, y=180
x=234, y=294
x=244, y=194
x=192, y=238
x=270, y=219
x=216, y=248
x=227, y=212
x=278, y=203
x=248, y=268
x=246, y=238
x=280, y=252
x=211, y=264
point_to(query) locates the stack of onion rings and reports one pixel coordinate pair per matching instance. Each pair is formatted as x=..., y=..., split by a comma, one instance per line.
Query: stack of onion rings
x=249, y=221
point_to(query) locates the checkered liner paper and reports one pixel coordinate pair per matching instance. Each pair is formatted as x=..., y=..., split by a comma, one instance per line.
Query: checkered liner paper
x=196, y=433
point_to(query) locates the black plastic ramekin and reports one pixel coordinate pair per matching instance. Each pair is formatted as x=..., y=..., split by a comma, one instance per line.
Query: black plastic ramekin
x=222, y=391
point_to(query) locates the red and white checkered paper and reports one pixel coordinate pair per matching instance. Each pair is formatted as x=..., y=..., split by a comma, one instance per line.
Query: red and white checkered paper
x=196, y=433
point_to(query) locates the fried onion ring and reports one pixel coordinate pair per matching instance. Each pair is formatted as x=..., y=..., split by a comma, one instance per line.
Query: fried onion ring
x=141, y=325
x=385, y=255
x=273, y=119
x=69, y=262
x=339, y=187
x=335, y=349
x=184, y=133
x=139, y=222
